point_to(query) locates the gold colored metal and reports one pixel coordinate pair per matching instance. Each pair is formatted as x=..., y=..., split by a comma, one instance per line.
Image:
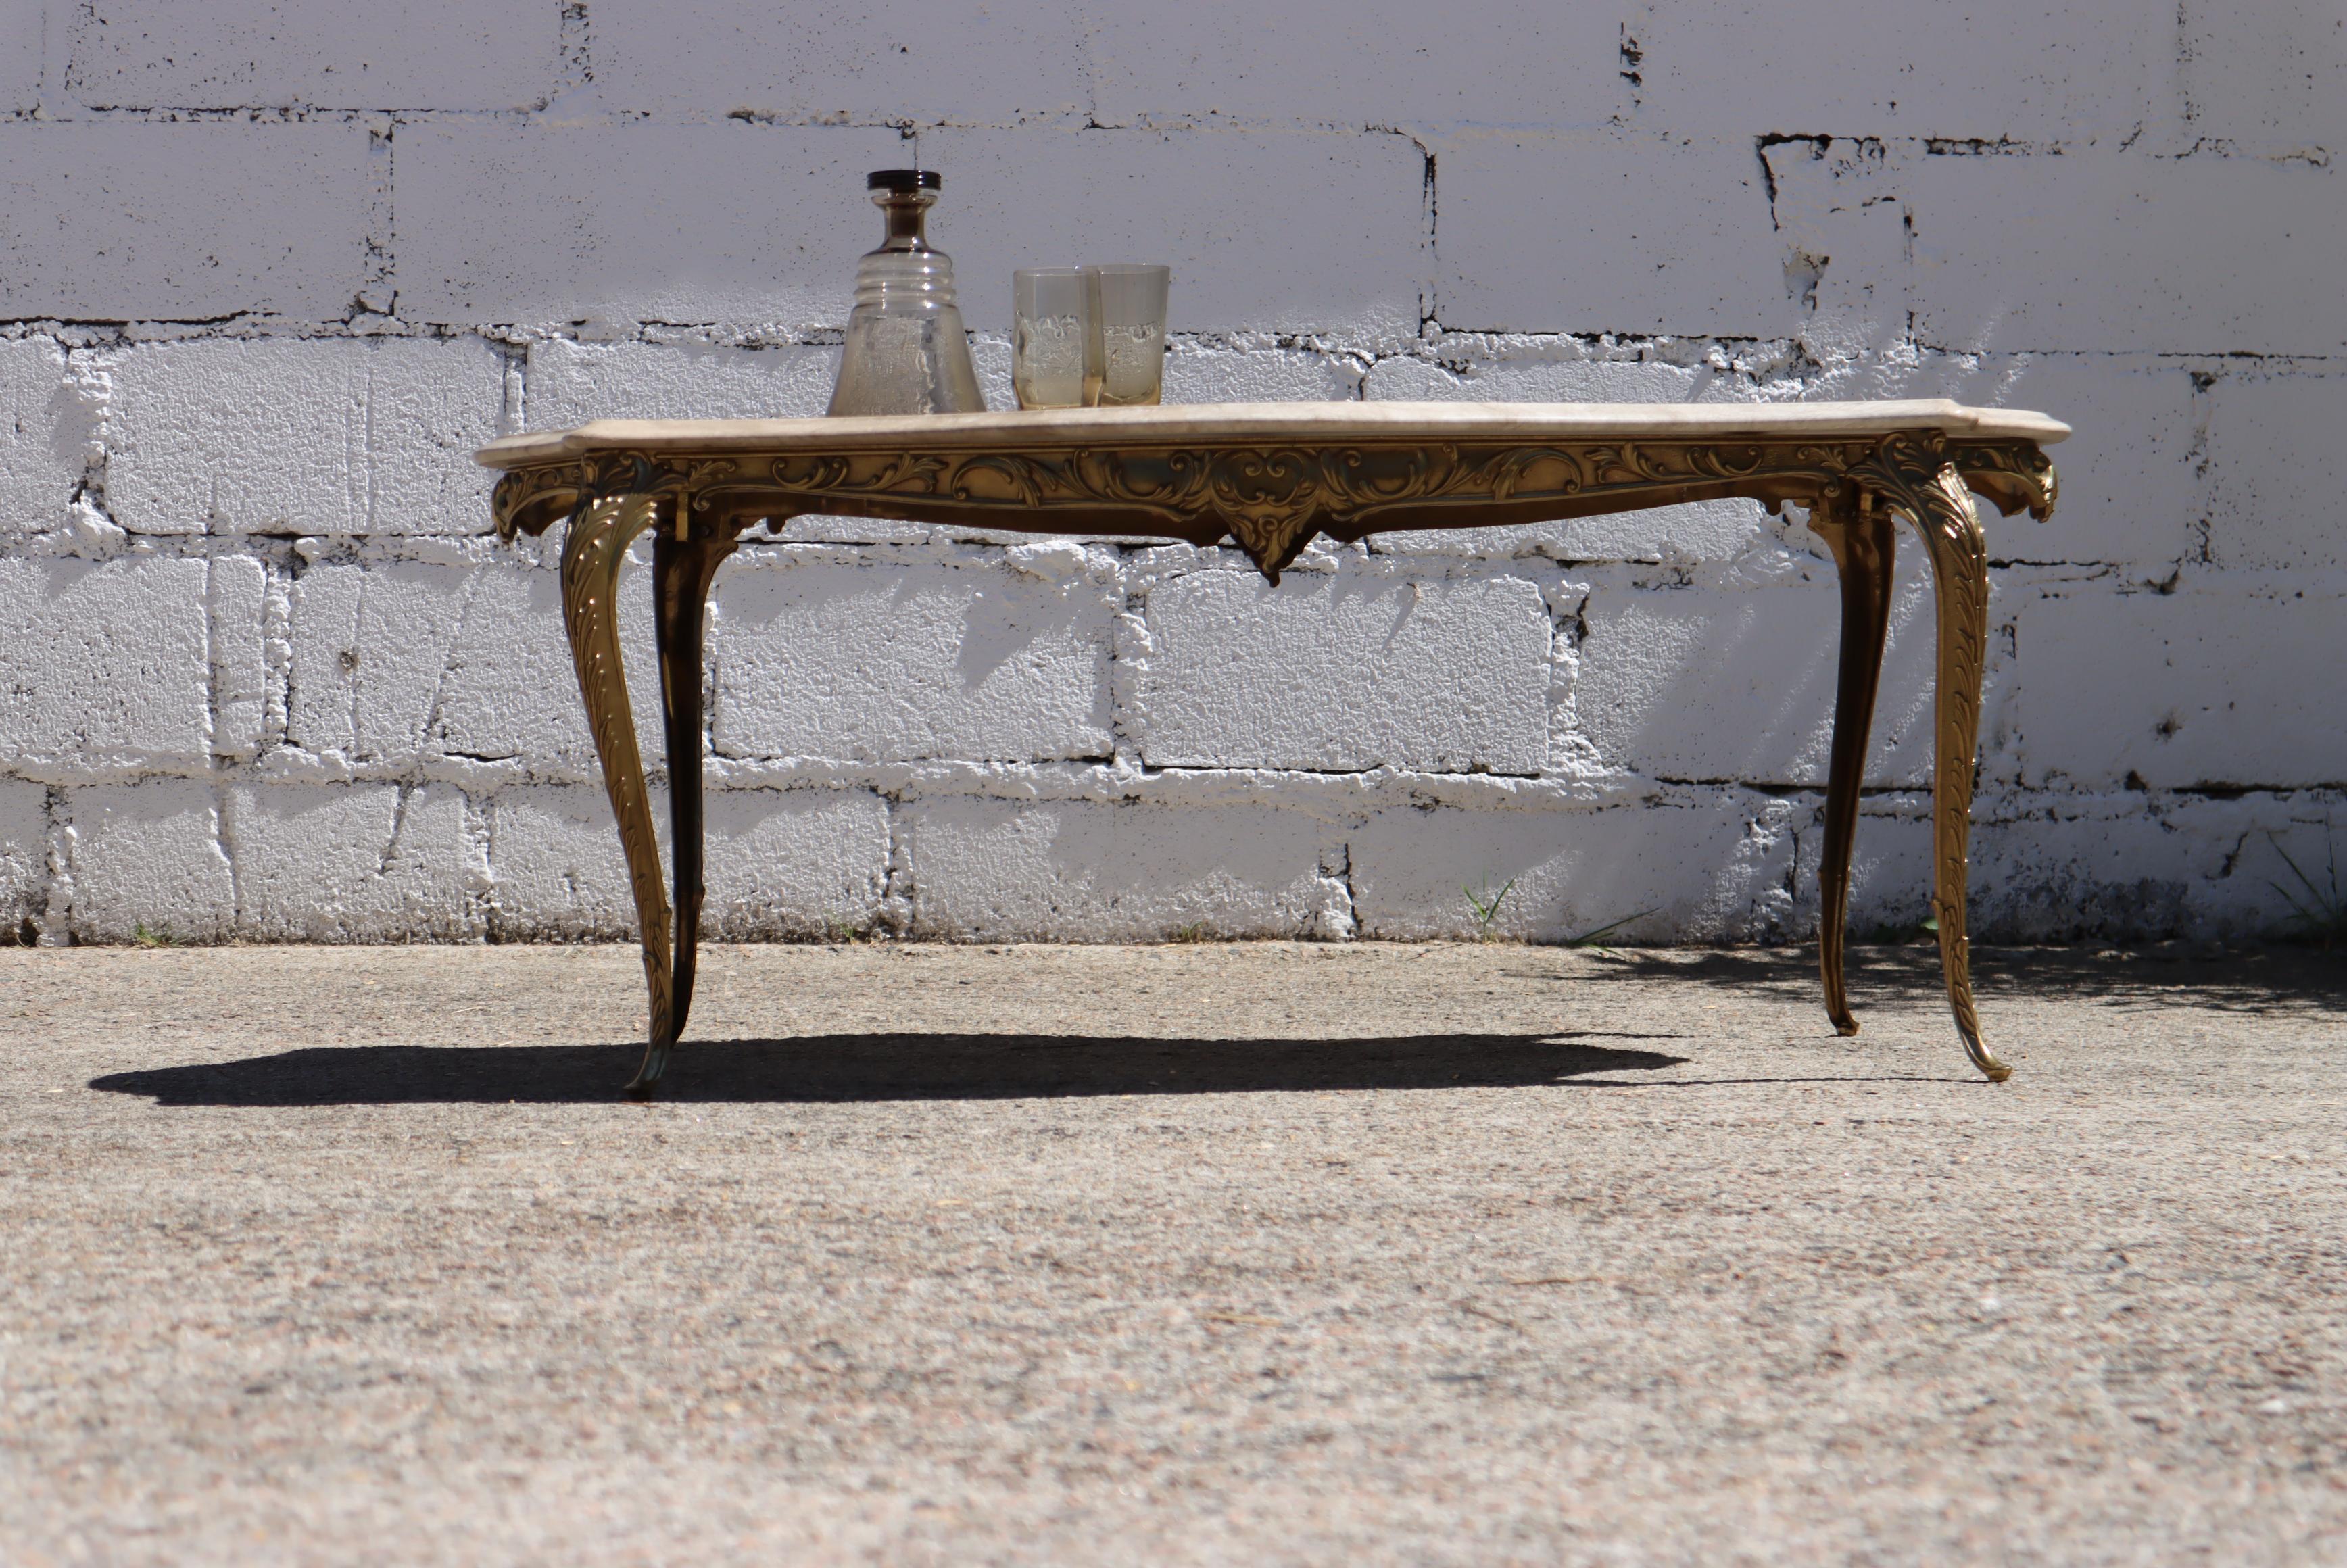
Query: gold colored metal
x=682, y=570
x=1271, y=496
x=1918, y=476
x=1862, y=544
x=601, y=529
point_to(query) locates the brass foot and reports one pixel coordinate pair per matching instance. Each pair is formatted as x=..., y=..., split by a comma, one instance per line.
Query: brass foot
x=645, y=1084
x=1968, y=1024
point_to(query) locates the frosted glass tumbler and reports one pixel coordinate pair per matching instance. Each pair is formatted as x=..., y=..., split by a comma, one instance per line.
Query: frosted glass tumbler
x=1132, y=333
x=1055, y=349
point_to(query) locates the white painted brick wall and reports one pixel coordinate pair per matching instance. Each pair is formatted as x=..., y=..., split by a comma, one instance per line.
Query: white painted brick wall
x=240, y=661
x=268, y=273
x=105, y=666
x=1736, y=682
x=370, y=642
x=2183, y=689
x=556, y=873
x=593, y=221
x=2101, y=250
x=2130, y=494
x=571, y=383
x=1257, y=372
x=683, y=59
x=130, y=220
x=1726, y=69
x=351, y=862
x=2059, y=867
x=1710, y=870
x=2271, y=78
x=24, y=856
x=354, y=435
x=22, y=37
x=1645, y=234
x=44, y=432
x=147, y=859
x=508, y=695
x=982, y=870
x=973, y=661
x=1344, y=672
x=794, y=863
x=1268, y=231
x=417, y=53
x=1388, y=63
x=2277, y=468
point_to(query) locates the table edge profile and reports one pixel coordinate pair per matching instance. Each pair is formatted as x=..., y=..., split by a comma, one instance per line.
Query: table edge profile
x=1310, y=422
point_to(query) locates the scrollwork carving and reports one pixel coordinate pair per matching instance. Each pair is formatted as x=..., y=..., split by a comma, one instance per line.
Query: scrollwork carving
x=527, y=500
x=1270, y=498
x=2016, y=475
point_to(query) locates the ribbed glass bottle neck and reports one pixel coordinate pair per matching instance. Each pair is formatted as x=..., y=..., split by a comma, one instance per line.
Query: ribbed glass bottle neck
x=904, y=280
x=904, y=273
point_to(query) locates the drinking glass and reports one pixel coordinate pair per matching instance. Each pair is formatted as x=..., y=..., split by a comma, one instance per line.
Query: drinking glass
x=1055, y=350
x=1132, y=312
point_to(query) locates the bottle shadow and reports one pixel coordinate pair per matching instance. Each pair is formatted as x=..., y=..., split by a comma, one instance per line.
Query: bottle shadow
x=850, y=1067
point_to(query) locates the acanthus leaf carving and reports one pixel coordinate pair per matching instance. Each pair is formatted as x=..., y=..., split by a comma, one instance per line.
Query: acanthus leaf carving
x=1270, y=497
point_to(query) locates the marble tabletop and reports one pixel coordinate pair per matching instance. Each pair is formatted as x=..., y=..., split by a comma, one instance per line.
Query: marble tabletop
x=1314, y=423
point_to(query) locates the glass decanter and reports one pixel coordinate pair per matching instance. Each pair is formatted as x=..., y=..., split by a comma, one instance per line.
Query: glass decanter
x=906, y=350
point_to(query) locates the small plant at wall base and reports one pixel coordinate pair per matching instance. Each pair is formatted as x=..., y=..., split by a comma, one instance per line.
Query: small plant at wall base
x=1595, y=937
x=1926, y=930
x=1486, y=907
x=2319, y=917
x=151, y=938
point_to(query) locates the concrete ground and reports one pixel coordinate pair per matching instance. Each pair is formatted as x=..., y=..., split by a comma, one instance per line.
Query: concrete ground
x=1189, y=1253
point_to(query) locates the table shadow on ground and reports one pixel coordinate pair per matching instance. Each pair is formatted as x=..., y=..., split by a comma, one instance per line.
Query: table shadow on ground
x=2270, y=981
x=885, y=1067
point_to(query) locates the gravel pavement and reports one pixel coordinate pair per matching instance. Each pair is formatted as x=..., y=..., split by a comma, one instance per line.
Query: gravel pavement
x=1265, y=1253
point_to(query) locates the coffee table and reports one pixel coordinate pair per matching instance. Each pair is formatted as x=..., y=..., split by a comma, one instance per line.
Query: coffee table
x=1271, y=476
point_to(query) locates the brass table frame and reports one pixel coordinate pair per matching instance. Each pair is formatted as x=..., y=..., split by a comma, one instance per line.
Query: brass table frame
x=1271, y=476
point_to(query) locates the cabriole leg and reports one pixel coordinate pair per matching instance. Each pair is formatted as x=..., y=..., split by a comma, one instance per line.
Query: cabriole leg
x=597, y=544
x=681, y=571
x=1863, y=548
x=1914, y=476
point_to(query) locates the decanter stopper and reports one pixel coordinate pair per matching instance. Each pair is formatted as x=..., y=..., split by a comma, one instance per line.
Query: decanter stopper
x=905, y=350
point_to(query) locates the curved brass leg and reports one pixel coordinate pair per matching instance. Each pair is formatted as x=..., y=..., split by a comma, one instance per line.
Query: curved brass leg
x=682, y=570
x=1912, y=473
x=600, y=532
x=1863, y=549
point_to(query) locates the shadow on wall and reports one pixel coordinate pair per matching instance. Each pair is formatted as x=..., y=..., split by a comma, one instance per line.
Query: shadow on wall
x=1733, y=681
x=838, y=1069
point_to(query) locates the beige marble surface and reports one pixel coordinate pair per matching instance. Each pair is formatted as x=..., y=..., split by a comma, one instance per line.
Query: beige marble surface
x=1305, y=422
